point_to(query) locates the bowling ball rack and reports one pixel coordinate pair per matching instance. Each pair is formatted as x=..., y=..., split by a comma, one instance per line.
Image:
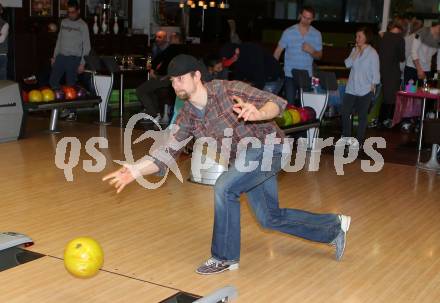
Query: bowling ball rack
x=310, y=128
x=56, y=106
x=300, y=127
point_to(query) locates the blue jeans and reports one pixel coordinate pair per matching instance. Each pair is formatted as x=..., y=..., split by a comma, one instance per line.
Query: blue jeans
x=274, y=87
x=360, y=105
x=3, y=66
x=262, y=190
x=64, y=65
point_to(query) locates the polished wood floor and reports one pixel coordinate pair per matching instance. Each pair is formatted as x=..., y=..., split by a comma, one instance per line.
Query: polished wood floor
x=154, y=239
x=45, y=280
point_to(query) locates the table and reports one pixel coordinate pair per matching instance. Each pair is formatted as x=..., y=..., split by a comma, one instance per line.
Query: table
x=123, y=70
x=408, y=105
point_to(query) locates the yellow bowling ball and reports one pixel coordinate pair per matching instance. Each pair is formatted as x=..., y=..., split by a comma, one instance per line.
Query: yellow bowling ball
x=35, y=96
x=48, y=95
x=296, y=117
x=83, y=257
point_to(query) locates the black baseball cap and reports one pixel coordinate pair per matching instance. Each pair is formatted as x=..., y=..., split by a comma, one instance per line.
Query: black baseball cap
x=183, y=64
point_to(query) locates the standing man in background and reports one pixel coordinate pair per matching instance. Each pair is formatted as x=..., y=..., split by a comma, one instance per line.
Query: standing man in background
x=391, y=50
x=4, y=32
x=303, y=44
x=72, y=45
x=425, y=44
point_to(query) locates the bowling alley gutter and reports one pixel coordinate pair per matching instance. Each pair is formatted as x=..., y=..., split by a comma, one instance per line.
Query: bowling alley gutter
x=127, y=276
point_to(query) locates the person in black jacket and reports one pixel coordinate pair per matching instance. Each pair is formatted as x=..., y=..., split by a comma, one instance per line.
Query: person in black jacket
x=157, y=91
x=249, y=62
x=391, y=50
x=176, y=47
x=216, y=71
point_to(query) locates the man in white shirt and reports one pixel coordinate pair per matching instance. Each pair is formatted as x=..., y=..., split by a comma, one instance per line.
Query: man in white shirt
x=424, y=45
x=421, y=47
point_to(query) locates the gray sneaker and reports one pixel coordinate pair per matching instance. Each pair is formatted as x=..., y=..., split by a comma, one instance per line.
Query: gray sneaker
x=213, y=266
x=341, y=239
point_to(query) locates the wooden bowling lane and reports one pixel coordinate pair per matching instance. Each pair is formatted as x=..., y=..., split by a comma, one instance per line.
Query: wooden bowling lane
x=162, y=235
x=45, y=280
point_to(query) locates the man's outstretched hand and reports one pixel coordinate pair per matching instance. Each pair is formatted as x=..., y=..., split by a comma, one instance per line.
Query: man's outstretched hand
x=119, y=178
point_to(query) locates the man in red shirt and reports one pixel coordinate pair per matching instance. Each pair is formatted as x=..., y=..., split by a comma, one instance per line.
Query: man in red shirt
x=235, y=110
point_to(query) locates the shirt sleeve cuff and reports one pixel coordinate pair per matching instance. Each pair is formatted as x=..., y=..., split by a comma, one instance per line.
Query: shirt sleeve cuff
x=133, y=169
x=162, y=168
x=136, y=169
x=280, y=103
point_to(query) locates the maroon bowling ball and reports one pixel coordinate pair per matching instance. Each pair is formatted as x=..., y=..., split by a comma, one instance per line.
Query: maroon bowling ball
x=311, y=113
x=304, y=115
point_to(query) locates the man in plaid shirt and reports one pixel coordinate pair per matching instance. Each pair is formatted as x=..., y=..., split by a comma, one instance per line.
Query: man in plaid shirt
x=235, y=110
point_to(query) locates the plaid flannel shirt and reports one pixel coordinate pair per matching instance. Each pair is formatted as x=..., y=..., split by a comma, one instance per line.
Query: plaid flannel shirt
x=218, y=116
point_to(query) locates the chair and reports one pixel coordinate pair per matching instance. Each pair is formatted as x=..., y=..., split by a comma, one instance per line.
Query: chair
x=102, y=84
x=301, y=79
x=316, y=100
x=112, y=66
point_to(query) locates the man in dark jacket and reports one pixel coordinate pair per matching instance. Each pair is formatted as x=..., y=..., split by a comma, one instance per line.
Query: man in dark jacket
x=156, y=92
x=250, y=63
x=391, y=50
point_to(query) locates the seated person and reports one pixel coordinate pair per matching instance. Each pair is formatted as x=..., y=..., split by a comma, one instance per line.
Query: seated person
x=215, y=68
x=160, y=43
x=156, y=92
x=249, y=62
x=176, y=47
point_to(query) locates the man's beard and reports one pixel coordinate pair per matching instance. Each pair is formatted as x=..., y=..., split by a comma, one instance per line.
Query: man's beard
x=183, y=95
